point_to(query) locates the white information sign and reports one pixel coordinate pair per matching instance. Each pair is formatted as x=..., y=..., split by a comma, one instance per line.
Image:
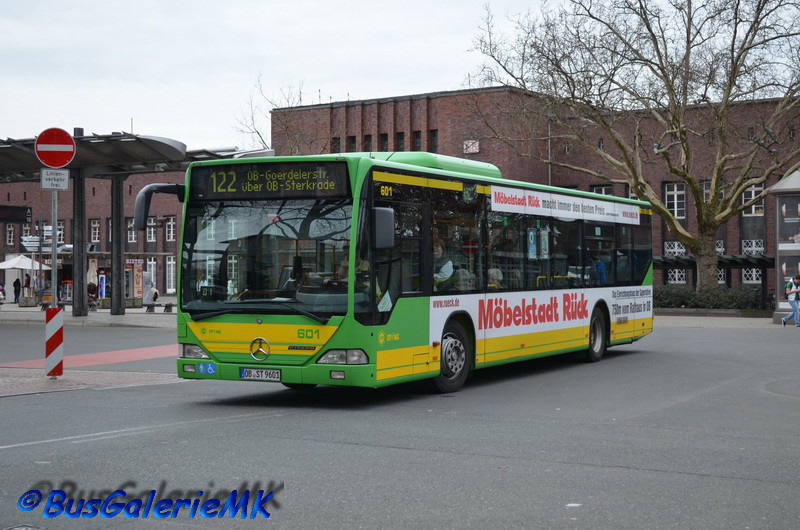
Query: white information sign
x=55, y=179
x=514, y=200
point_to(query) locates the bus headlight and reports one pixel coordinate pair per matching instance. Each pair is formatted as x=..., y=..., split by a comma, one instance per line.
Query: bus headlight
x=192, y=351
x=344, y=357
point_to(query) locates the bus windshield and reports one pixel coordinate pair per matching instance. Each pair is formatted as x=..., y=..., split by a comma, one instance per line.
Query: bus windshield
x=265, y=257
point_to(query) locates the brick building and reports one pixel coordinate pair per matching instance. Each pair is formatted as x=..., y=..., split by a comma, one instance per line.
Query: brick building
x=451, y=123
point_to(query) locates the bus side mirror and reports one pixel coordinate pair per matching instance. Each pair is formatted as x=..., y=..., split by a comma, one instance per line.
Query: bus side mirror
x=382, y=228
x=142, y=207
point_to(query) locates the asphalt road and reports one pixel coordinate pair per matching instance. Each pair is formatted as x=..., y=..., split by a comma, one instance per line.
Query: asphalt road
x=695, y=426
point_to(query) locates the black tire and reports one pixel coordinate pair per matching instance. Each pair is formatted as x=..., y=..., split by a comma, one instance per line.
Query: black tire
x=456, y=359
x=298, y=386
x=598, y=337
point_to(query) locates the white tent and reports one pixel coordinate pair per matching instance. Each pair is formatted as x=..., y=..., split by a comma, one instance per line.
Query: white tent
x=23, y=262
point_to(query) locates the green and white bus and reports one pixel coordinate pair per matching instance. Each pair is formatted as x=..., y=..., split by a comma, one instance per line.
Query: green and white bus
x=372, y=269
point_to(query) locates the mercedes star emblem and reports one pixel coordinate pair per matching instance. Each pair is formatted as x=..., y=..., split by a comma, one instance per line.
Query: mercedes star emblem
x=259, y=349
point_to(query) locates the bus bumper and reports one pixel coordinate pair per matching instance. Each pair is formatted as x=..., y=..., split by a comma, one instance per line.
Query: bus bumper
x=312, y=374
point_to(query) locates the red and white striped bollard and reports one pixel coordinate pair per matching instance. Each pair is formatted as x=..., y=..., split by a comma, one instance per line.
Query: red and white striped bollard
x=54, y=342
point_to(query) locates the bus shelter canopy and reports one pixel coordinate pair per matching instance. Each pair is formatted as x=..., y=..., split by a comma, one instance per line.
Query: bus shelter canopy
x=23, y=263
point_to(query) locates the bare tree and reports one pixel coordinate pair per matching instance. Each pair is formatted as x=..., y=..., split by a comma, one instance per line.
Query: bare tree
x=262, y=110
x=666, y=83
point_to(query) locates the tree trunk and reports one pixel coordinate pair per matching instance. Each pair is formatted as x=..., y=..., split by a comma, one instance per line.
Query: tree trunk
x=706, y=257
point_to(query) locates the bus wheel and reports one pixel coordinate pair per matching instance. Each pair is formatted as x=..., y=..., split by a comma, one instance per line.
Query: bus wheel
x=299, y=386
x=456, y=359
x=598, y=337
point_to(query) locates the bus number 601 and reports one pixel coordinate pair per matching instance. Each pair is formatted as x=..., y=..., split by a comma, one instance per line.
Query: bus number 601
x=307, y=333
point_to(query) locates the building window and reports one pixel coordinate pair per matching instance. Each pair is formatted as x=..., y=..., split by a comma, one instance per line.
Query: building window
x=94, y=230
x=233, y=275
x=367, y=145
x=232, y=229
x=211, y=269
x=675, y=198
x=752, y=247
x=722, y=274
x=9, y=234
x=602, y=189
x=351, y=144
x=211, y=230
x=131, y=230
x=151, y=229
x=400, y=141
x=792, y=132
x=151, y=268
x=601, y=143
x=706, y=186
x=170, y=276
x=675, y=248
x=433, y=141
x=757, y=208
x=60, y=232
x=336, y=144
x=26, y=229
x=471, y=147
x=416, y=141
x=383, y=138
x=169, y=228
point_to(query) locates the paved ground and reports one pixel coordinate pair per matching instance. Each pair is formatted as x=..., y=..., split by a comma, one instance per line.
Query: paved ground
x=19, y=381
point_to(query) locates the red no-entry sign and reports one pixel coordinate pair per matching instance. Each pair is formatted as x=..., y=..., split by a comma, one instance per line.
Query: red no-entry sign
x=55, y=148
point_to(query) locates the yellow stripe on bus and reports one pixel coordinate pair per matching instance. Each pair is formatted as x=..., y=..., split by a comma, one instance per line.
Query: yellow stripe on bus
x=236, y=337
x=409, y=180
x=401, y=362
x=542, y=342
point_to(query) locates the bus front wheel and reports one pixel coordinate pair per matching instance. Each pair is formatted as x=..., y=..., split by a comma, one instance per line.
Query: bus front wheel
x=598, y=337
x=456, y=359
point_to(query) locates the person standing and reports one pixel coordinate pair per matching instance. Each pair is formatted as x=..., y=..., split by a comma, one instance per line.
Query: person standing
x=17, y=290
x=793, y=295
x=27, y=285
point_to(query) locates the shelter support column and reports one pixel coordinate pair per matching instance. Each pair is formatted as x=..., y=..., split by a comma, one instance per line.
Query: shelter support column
x=80, y=305
x=117, y=246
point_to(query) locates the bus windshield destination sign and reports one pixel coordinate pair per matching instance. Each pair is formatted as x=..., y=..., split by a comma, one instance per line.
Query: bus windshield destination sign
x=269, y=180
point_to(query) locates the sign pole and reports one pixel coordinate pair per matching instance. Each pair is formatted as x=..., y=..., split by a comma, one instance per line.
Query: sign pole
x=53, y=239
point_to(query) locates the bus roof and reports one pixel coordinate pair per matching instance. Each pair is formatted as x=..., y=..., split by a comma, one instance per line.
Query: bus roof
x=470, y=169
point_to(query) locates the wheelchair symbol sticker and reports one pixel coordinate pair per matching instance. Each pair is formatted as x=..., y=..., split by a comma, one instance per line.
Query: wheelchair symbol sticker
x=207, y=368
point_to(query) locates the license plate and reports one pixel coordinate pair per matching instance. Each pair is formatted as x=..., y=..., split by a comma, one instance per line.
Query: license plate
x=255, y=374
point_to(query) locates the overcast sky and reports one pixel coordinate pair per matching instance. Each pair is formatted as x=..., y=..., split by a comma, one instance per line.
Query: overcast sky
x=186, y=69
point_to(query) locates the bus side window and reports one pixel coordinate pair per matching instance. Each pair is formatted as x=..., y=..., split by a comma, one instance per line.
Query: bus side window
x=624, y=257
x=508, y=252
x=567, y=267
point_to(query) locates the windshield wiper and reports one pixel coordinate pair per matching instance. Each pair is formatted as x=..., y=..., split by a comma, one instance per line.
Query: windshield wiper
x=211, y=314
x=309, y=314
x=254, y=310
